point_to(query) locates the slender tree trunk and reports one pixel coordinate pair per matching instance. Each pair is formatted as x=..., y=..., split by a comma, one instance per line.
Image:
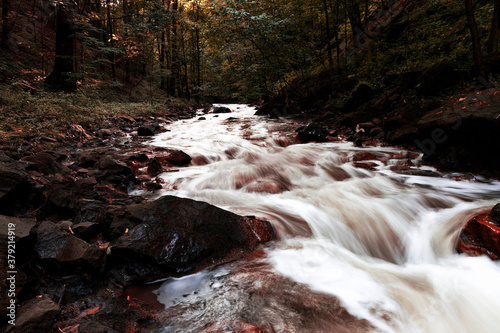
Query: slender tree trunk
x=126, y=20
x=329, y=39
x=367, y=8
x=174, y=75
x=476, y=42
x=60, y=78
x=5, y=24
x=337, y=27
x=492, y=42
x=111, y=39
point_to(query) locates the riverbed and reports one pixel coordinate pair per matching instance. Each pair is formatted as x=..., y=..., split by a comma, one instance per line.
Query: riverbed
x=366, y=235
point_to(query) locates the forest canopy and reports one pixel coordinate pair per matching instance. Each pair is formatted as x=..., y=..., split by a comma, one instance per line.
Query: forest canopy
x=243, y=50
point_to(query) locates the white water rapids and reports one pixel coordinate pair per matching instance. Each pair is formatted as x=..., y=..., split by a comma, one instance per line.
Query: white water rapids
x=360, y=250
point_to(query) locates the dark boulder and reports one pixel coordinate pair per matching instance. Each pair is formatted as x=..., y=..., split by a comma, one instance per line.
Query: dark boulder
x=495, y=214
x=154, y=167
x=68, y=251
x=46, y=164
x=36, y=315
x=148, y=129
x=312, y=133
x=115, y=171
x=176, y=236
x=221, y=109
x=172, y=156
x=18, y=192
x=88, y=159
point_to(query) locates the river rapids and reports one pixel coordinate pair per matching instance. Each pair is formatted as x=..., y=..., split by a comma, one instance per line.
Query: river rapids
x=361, y=248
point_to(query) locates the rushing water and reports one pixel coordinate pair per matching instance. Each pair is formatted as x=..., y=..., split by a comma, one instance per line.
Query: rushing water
x=361, y=248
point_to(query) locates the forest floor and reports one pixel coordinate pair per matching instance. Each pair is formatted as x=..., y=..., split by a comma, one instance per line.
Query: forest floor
x=32, y=120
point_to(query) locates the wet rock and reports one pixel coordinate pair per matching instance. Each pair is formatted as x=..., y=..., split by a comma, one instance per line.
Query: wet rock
x=88, y=159
x=480, y=236
x=36, y=315
x=54, y=244
x=85, y=230
x=312, y=133
x=148, y=129
x=221, y=109
x=18, y=192
x=173, y=156
x=104, y=133
x=364, y=156
x=153, y=186
x=46, y=164
x=67, y=198
x=115, y=172
x=154, y=167
x=177, y=235
x=21, y=230
x=495, y=214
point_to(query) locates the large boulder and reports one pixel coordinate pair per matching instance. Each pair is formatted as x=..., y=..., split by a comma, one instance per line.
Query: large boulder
x=175, y=236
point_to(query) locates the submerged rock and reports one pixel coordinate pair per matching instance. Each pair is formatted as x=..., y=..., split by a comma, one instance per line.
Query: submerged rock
x=175, y=235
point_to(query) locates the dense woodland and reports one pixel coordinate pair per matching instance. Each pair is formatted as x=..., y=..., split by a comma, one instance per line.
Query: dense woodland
x=238, y=49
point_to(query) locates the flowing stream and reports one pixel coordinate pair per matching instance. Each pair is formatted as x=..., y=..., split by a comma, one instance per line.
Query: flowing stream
x=362, y=246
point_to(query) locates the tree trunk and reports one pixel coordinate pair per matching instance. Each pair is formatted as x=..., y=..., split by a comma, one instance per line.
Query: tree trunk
x=60, y=78
x=5, y=24
x=174, y=75
x=126, y=20
x=354, y=16
x=111, y=40
x=492, y=42
x=328, y=37
x=476, y=42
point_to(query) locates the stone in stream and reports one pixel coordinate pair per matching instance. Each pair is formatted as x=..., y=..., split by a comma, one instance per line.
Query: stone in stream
x=148, y=129
x=172, y=236
x=221, y=109
x=172, y=156
x=154, y=167
x=480, y=236
x=312, y=133
x=495, y=214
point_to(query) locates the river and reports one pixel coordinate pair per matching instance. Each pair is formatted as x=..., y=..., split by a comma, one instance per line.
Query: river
x=362, y=246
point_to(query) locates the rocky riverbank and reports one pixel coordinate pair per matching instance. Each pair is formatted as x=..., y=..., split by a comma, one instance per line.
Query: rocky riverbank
x=80, y=239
